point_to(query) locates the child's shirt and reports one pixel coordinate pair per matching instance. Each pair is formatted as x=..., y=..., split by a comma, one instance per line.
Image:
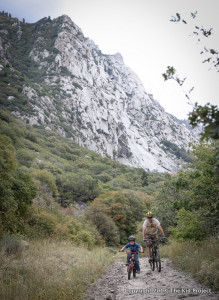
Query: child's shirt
x=133, y=248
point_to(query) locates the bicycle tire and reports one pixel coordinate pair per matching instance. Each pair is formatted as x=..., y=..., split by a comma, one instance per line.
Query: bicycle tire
x=158, y=261
x=134, y=273
x=129, y=271
x=152, y=262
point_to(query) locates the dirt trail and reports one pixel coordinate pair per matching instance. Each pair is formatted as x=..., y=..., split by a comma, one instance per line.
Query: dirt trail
x=168, y=284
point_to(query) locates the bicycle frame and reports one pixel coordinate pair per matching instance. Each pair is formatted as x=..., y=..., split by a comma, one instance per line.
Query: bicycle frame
x=155, y=256
x=132, y=259
x=131, y=264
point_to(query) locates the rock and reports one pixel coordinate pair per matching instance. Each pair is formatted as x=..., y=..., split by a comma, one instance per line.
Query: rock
x=103, y=103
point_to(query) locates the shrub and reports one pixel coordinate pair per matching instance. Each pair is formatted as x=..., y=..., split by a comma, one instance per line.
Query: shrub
x=104, y=177
x=25, y=157
x=47, y=178
x=42, y=224
x=103, y=223
x=84, y=237
x=31, y=136
x=189, y=226
x=12, y=244
x=77, y=188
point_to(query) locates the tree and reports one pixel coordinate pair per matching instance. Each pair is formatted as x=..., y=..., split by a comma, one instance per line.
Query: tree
x=208, y=115
x=199, y=32
x=125, y=208
x=196, y=192
x=144, y=178
x=16, y=189
x=96, y=213
x=77, y=187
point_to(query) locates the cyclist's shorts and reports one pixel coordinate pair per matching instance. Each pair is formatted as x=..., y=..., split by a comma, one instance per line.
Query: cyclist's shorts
x=150, y=237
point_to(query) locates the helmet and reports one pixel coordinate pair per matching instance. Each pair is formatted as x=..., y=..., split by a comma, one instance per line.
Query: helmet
x=131, y=238
x=149, y=214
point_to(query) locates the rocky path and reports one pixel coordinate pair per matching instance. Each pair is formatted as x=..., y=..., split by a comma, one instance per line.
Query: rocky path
x=168, y=284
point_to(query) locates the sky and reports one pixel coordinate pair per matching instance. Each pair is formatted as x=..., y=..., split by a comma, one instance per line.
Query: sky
x=142, y=32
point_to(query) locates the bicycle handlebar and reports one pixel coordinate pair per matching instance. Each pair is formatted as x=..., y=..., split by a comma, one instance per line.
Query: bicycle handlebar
x=156, y=240
x=132, y=252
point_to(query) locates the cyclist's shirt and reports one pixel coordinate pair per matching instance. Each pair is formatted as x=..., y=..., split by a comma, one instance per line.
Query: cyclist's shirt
x=133, y=248
x=151, y=227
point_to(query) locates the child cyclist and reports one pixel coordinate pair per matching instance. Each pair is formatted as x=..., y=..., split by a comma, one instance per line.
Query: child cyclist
x=133, y=247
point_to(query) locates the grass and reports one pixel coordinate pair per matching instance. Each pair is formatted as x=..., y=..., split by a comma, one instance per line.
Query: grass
x=200, y=259
x=50, y=269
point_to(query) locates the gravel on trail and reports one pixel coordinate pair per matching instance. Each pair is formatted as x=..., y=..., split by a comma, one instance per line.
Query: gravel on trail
x=167, y=284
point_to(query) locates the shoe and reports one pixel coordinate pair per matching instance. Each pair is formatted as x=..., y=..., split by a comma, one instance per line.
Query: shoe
x=138, y=272
x=150, y=260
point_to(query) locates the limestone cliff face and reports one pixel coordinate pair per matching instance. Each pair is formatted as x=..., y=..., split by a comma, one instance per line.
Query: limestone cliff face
x=96, y=99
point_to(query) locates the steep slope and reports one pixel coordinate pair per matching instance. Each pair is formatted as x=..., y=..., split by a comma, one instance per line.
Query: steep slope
x=55, y=77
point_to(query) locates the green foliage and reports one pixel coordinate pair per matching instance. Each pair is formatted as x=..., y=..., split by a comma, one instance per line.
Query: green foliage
x=80, y=187
x=63, y=170
x=16, y=189
x=192, y=193
x=208, y=117
x=178, y=152
x=25, y=157
x=123, y=208
x=144, y=178
x=189, y=226
x=104, y=224
x=45, y=177
x=24, y=190
x=51, y=222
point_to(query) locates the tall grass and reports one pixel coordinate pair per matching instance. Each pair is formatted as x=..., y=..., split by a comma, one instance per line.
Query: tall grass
x=51, y=270
x=200, y=259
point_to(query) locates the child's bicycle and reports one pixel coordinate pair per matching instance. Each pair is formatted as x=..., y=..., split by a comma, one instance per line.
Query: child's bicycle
x=131, y=265
x=155, y=255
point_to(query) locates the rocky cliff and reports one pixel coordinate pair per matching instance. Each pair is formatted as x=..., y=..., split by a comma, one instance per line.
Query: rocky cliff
x=55, y=77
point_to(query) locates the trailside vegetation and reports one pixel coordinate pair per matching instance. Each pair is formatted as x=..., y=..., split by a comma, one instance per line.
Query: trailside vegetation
x=188, y=208
x=45, y=176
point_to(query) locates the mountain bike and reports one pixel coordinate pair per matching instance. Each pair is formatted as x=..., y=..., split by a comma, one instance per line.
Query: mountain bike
x=155, y=255
x=131, y=265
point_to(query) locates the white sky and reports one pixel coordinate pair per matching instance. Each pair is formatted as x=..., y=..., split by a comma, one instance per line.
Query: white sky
x=141, y=31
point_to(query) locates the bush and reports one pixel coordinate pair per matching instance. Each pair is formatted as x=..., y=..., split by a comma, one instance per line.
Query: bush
x=47, y=178
x=104, y=224
x=12, y=244
x=16, y=189
x=42, y=224
x=124, y=208
x=189, y=226
x=77, y=188
x=84, y=237
x=31, y=136
x=25, y=157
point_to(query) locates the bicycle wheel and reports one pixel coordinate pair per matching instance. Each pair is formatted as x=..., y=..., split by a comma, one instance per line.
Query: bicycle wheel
x=129, y=271
x=152, y=262
x=134, y=273
x=158, y=261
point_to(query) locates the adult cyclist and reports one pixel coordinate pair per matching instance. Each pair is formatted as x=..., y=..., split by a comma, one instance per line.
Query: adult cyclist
x=149, y=231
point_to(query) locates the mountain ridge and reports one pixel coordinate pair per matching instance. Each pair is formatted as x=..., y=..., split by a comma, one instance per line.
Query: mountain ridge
x=70, y=86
